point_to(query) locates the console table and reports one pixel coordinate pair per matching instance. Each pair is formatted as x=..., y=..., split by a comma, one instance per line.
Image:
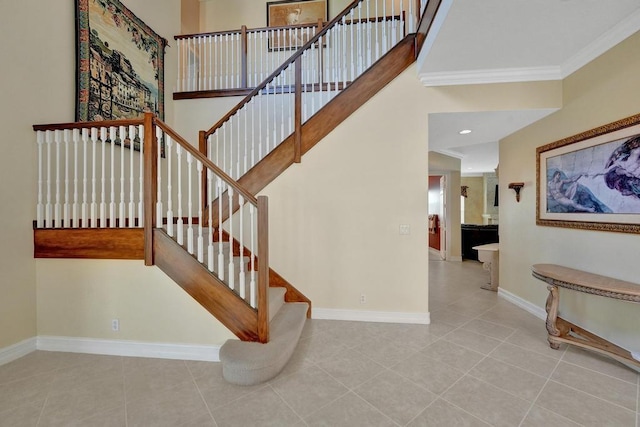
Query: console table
x=561, y=330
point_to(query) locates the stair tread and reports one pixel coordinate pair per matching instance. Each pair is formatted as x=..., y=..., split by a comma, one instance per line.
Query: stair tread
x=249, y=363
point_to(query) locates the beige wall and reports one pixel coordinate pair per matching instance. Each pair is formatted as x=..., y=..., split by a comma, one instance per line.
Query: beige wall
x=190, y=16
x=603, y=91
x=474, y=203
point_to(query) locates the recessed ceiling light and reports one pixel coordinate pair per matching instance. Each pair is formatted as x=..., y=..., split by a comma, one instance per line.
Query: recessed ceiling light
x=465, y=131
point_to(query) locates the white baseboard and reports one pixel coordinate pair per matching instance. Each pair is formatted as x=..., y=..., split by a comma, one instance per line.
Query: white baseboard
x=371, y=316
x=523, y=304
x=209, y=353
x=16, y=351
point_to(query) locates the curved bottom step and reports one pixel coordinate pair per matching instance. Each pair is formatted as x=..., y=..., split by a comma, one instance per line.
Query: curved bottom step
x=250, y=363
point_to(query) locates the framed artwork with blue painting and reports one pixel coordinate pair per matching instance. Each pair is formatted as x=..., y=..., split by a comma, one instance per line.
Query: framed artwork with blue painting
x=592, y=180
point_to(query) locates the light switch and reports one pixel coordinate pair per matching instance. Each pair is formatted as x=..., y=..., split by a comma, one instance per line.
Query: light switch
x=405, y=229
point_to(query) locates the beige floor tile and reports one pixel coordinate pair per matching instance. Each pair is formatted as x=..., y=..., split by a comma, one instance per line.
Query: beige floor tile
x=445, y=315
x=32, y=390
x=21, y=416
x=489, y=329
x=476, y=342
x=540, y=417
x=441, y=413
x=453, y=355
x=172, y=409
x=386, y=352
x=34, y=363
x=220, y=393
x=151, y=379
x=319, y=347
x=583, y=408
x=470, y=308
x=111, y=418
x=348, y=411
x=603, y=386
x=605, y=365
x=306, y=391
x=261, y=408
x=414, y=336
x=395, y=396
x=516, y=381
x=95, y=369
x=536, y=342
x=487, y=402
x=83, y=400
x=428, y=373
x=525, y=359
x=351, y=368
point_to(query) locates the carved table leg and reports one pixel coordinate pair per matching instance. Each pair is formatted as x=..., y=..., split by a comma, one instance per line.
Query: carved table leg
x=553, y=301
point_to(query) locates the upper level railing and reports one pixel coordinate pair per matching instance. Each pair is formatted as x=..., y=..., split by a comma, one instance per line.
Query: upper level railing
x=333, y=58
x=142, y=174
x=242, y=59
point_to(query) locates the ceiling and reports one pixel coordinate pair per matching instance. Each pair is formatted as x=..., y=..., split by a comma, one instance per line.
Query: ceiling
x=494, y=41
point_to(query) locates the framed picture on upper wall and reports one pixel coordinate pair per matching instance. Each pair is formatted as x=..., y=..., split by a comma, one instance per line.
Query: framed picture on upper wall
x=120, y=63
x=592, y=180
x=294, y=13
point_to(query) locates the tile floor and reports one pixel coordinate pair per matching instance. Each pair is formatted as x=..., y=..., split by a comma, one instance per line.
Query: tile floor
x=482, y=362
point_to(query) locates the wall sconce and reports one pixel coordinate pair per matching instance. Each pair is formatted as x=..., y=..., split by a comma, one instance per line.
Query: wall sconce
x=517, y=186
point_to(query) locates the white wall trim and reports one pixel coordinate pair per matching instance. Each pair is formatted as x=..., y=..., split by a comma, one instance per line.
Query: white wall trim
x=539, y=312
x=16, y=351
x=504, y=75
x=209, y=353
x=371, y=316
x=629, y=26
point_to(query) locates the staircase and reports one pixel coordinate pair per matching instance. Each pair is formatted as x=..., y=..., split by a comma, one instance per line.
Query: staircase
x=135, y=189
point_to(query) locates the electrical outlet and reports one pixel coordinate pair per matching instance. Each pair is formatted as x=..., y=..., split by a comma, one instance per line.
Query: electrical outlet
x=115, y=325
x=363, y=299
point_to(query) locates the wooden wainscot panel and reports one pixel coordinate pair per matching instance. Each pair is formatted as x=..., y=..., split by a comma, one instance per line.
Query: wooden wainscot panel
x=91, y=243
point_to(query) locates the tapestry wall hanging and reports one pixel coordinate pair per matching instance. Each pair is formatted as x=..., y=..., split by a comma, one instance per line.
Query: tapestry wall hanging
x=592, y=180
x=120, y=63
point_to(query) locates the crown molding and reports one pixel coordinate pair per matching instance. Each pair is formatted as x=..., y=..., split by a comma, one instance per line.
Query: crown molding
x=497, y=75
x=627, y=27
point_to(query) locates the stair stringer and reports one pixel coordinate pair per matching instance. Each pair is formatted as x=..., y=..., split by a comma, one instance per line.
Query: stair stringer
x=211, y=293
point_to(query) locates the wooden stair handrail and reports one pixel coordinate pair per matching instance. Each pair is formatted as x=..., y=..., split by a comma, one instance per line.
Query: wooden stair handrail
x=85, y=125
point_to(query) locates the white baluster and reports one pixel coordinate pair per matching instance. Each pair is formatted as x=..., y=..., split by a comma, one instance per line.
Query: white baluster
x=252, y=281
x=56, y=208
x=210, y=210
x=169, y=188
x=112, y=204
x=94, y=204
x=180, y=223
x=121, y=205
x=85, y=178
x=180, y=83
x=74, y=206
x=200, y=211
x=220, y=239
x=242, y=278
x=40, y=206
x=103, y=181
x=232, y=274
x=66, y=221
x=159, y=208
x=132, y=203
x=141, y=177
x=48, y=220
x=189, y=203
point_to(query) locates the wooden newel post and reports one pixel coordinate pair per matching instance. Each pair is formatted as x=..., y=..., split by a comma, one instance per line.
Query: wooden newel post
x=243, y=56
x=263, y=269
x=150, y=154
